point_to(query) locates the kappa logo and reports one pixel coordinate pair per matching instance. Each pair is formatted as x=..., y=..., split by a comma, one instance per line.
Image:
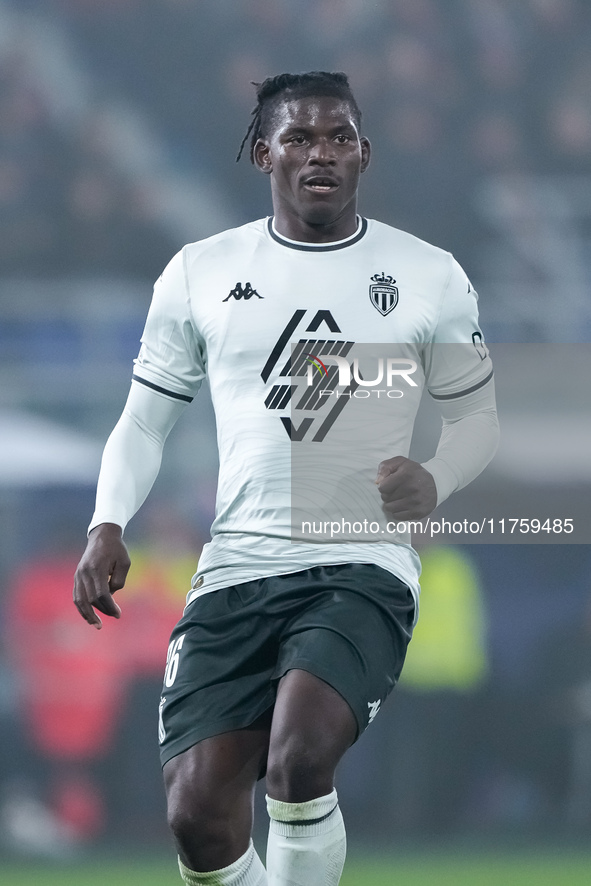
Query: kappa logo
x=383, y=294
x=374, y=707
x=241, y=291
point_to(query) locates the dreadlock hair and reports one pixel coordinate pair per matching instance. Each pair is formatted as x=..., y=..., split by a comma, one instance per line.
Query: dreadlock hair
x=273, y=90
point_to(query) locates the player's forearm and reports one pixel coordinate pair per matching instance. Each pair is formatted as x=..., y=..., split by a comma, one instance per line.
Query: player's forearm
x=130, y=465
x=468, y=442
x=132, y=456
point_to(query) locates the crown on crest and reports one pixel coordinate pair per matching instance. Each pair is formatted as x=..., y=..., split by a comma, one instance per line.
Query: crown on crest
x=381, y=278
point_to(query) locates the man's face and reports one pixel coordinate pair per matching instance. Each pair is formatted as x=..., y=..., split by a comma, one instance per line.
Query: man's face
x=314, y=155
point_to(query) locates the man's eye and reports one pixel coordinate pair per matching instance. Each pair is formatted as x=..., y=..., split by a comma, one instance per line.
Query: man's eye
x=343, y=139
x=298, y=140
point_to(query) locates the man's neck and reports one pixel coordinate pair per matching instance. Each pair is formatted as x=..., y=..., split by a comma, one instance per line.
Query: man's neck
x=294, y=228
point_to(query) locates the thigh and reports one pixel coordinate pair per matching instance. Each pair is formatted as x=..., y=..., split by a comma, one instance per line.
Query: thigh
x=218, y=674
x=312, y=728
x=221, y=770
x=310, y=718
x=354, y=637
x=210, y=795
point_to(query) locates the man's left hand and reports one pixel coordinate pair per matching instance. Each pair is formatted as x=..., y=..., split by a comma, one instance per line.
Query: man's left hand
x=408, y=490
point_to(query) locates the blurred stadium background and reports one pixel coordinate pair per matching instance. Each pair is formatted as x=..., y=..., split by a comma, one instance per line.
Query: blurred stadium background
x=120, y=123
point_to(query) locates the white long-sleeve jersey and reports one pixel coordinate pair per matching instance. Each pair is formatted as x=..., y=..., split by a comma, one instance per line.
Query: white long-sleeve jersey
x=274, y=325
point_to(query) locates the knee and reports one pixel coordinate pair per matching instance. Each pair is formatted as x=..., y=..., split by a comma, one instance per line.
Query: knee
x=298, y=771
x=199, y=820
x=194, y=820
x=209, y=792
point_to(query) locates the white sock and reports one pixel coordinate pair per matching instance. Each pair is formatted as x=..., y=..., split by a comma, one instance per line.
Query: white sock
x=247, y=871
x=307, y=843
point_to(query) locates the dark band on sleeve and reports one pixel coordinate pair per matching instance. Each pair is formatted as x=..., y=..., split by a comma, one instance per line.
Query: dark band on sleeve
x=160, y=390
x=463, y=393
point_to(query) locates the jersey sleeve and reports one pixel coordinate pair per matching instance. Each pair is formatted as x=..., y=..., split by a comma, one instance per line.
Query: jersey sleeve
x=468, y=442
x=172, y=358
x=132, y=455
x=459, y=377
x=456, y=361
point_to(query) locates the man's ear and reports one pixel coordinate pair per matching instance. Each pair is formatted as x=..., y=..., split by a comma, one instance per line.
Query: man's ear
x=262, y=157
x=365, y=152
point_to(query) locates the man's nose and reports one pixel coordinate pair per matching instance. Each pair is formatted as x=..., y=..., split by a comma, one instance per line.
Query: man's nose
x=322, y=152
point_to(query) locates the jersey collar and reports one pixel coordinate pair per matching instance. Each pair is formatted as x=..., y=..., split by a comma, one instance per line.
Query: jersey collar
x=318, y=247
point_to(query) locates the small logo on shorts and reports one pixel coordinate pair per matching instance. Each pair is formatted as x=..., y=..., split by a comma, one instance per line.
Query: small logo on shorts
x=374, y=707
x=161, y=729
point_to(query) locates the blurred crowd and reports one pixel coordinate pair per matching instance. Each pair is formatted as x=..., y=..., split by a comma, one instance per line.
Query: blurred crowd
x=64, y=207
x=451, y=91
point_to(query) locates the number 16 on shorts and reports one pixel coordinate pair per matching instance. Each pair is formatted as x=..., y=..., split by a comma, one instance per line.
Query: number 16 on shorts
x=172, y=668
x=172, y=660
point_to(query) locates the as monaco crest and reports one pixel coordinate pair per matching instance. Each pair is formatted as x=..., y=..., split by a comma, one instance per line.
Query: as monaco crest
x=383, y=294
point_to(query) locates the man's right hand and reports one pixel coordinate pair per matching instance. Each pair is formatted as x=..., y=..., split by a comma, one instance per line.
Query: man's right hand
x=101, y=571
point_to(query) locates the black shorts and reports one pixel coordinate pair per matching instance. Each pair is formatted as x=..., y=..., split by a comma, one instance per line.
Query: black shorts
x=349, y=625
